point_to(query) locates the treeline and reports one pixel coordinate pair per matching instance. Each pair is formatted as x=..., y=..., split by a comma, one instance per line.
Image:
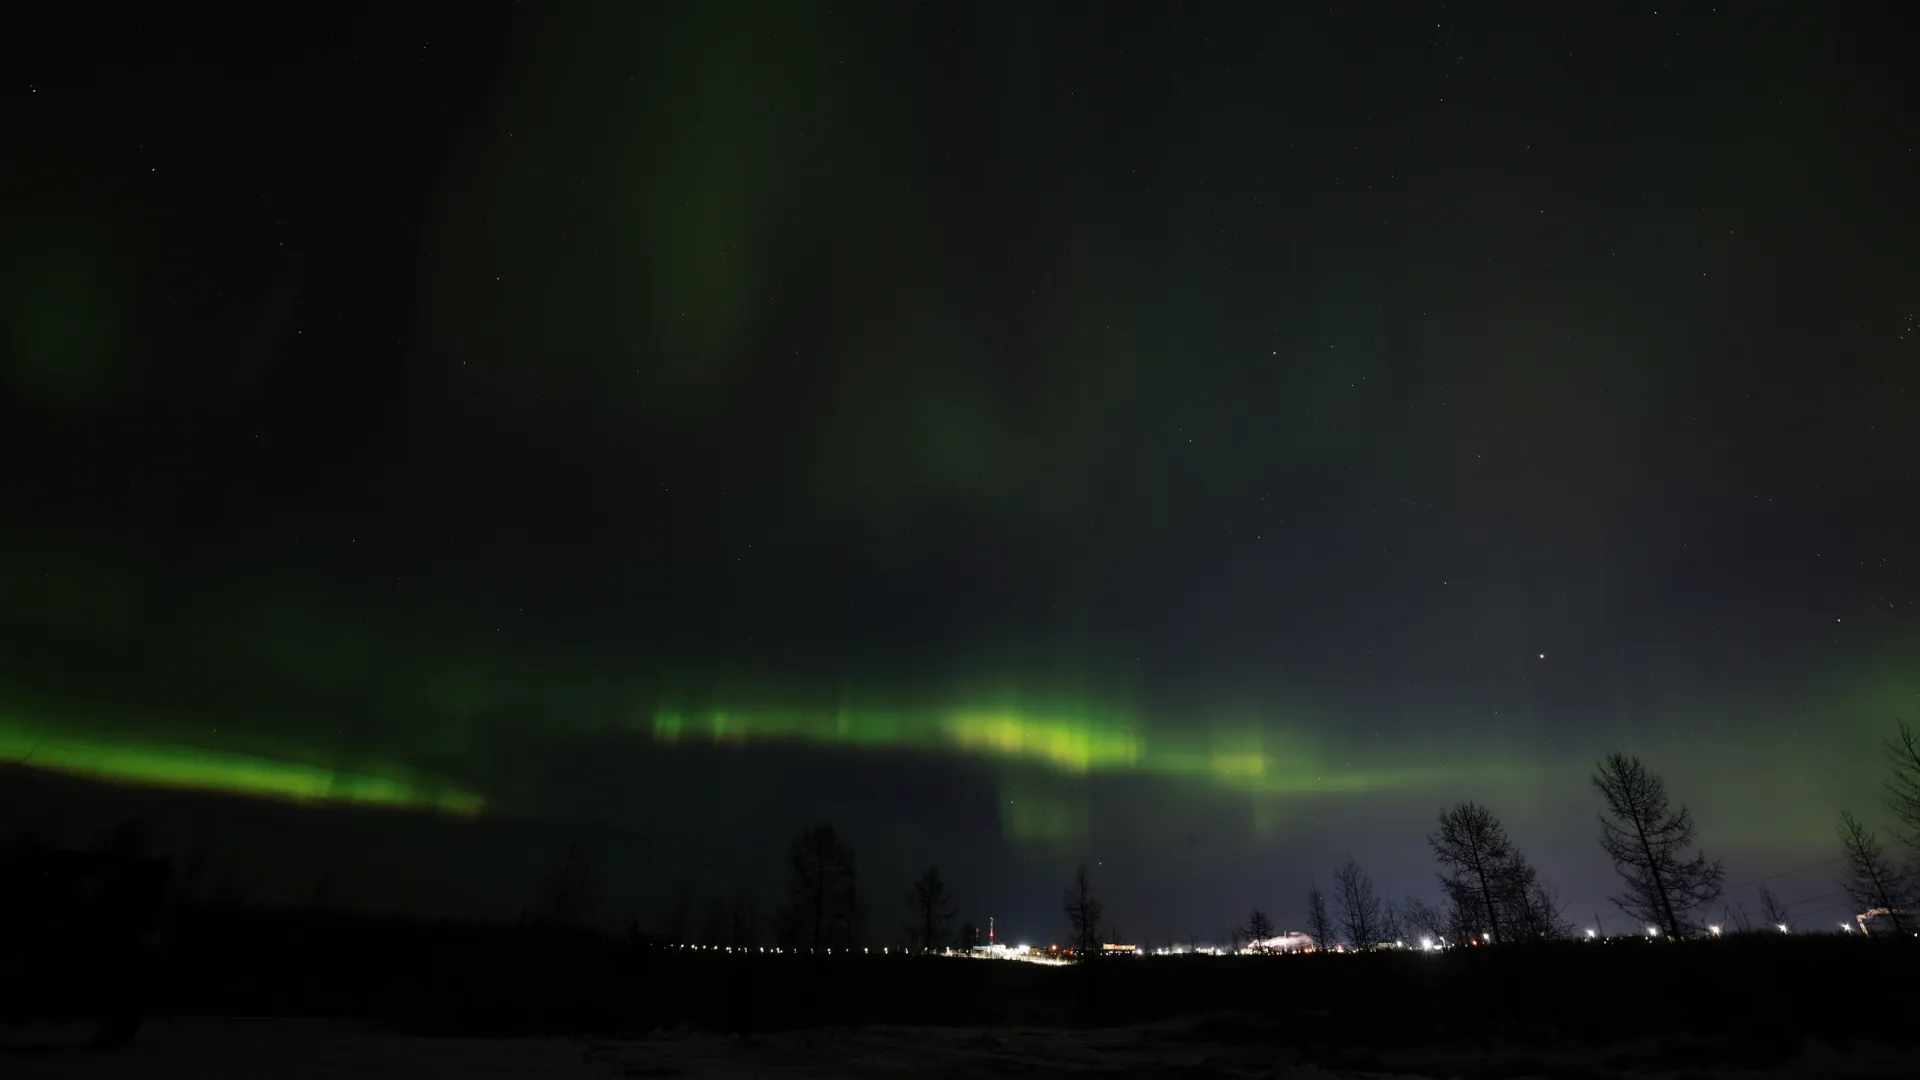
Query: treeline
x=1490, y=893
x=824, y=907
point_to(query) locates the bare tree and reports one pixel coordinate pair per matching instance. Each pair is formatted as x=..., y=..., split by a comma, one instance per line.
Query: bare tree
x=1359, y=906
x=680, y=916
x=823, y=908
x=968, y=937
x=1772, y=910
x=1389, y=922
x=1083, y=914
x=743, y=917
x=132, y=837
x=566, y=896
x=1873, y=882
x=1903, y=786
x=1420, y=919
x=1647, y=840
x=1735, y=915
x=1466, y=913
x=1535, y=910
x=931, y=907
x=1259, y=929
x=714, y=927
x=320, y=897
x=1479, y=866
x=1319, y=926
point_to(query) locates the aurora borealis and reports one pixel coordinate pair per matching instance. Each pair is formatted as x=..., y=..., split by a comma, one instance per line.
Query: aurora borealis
x=1200, y=443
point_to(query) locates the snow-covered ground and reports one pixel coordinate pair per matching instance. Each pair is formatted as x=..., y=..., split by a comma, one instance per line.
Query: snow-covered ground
x=300, y=1050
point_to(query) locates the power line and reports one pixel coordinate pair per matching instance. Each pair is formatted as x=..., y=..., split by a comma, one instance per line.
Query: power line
x=1784, y=873
x=1841, y=905
x=1811, y=899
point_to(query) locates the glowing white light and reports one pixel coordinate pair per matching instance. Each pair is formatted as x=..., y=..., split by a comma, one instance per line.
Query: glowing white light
x=1783, y=928
x=1592, y=933
x=1426, y=943
x=1653, y=931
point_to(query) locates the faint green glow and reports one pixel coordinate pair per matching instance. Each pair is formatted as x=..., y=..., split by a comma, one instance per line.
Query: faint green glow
x=1065, y=745
x=178, y=766
x=1032, y=813
x=1242, y=757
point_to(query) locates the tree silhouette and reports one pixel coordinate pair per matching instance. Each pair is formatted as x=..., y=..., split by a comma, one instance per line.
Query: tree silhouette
x=1083, y=912
x=1647, y=841
x=1480, y=869
x=823, y=901
x=193, y=877
x=1903, y=786
x=1420, y=919
x=1359, y=906
x=567, y=895
x=931, y=907
x=1259, y=929
x=680, y=916
x=1319, y=927
x=1535, y=911
x=1772, y=910
x=132, y=837
x=715, y=926
x=968, y=937
x=1873, y=882
x=743, y=917
x=320, y=897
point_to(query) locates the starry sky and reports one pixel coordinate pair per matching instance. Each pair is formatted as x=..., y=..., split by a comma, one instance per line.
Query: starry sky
x=1197, y=442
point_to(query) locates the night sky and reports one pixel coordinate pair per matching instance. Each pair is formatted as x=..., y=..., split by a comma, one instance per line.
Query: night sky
x=1196, y=441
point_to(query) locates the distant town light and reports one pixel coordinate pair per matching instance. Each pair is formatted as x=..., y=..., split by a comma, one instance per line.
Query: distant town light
x=1783, y=928
x=1653, y=931
x=1426, y=944
x=1592, y=933
x=1714, y=930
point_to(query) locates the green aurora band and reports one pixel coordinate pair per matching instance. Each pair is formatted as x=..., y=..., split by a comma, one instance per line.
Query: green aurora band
x=173, y=765
x=1237, y=760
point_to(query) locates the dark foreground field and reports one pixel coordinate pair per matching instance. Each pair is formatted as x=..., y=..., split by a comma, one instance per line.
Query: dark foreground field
x=1695, y=1008
x=1186, y=1050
